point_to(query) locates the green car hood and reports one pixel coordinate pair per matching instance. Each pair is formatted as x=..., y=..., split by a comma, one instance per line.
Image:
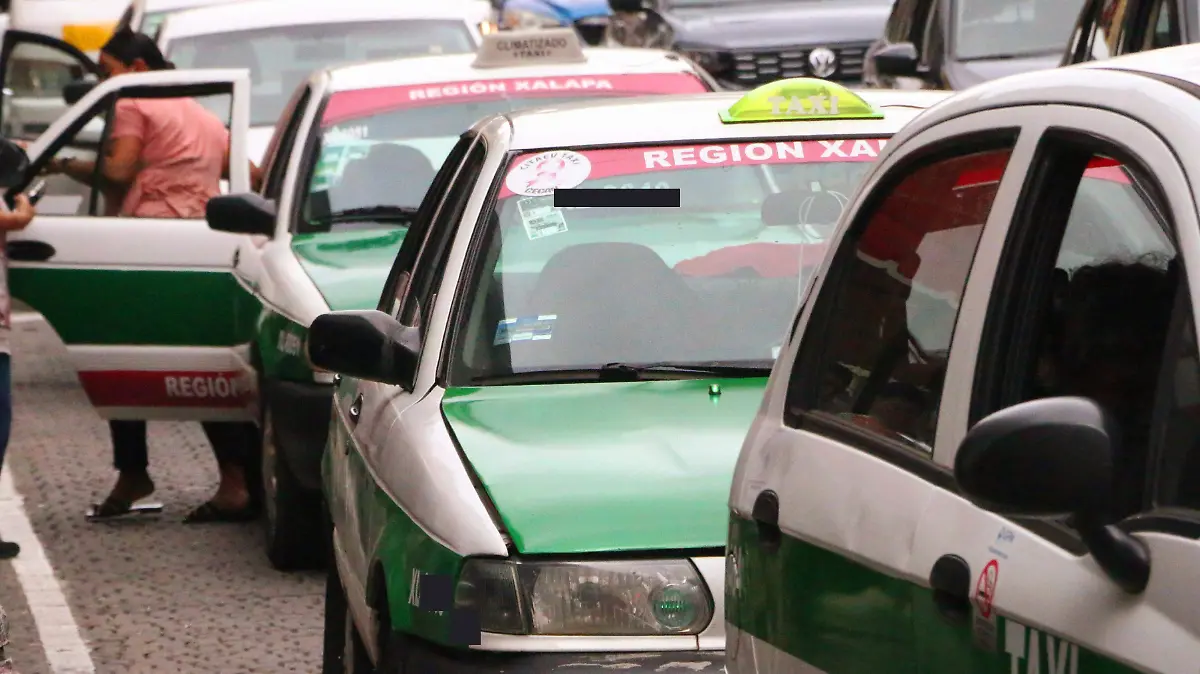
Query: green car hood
x=575, y=468
x=349, y=268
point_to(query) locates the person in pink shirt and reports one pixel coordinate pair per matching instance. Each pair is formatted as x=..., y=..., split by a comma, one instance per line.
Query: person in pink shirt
x=165, y=158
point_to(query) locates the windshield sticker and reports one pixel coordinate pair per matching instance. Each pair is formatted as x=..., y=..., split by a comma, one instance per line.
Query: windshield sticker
x=524, y=329
x=629, y=161
x=541, y=218
x=363, y=102
x=545, y=172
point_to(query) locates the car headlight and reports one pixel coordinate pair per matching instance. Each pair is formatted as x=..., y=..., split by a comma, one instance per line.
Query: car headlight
x=516, y=19
x=635, y=598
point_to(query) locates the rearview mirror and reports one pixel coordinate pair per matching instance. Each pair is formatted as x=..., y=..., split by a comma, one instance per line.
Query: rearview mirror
x=76, y=90
x=1054, y=457
x=367, y=345
x=241, y=214
x=801, y=207
x=14, y=163
x=897, y=60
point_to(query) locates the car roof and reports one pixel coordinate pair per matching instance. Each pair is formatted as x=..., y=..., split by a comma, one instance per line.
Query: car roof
x=175, y=5
x=691, y=117
x=252, y=14
x=458, y=67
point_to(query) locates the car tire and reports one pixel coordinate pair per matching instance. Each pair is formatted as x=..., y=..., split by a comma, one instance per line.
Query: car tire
x=343, y=650
x=292, y=514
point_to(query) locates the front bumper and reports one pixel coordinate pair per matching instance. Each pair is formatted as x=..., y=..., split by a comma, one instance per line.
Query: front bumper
x=301, y=413
x=427, y=661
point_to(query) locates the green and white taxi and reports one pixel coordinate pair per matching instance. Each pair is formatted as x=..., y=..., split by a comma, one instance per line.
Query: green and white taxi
x=352, y=157
x=534, y=432
x=979, y=450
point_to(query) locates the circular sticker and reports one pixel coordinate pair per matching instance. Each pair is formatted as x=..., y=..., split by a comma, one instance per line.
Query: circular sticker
x=543, y=173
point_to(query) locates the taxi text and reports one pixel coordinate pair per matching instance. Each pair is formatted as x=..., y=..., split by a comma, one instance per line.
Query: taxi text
x=760, y=152
x=510, y=86
x=532, y=47
x=814, y=105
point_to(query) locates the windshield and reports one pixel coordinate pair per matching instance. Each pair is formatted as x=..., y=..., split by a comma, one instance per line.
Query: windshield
x=152, y=21
x=280, y=58
x=714, y=281
x=381, y=147
x=1007, y=28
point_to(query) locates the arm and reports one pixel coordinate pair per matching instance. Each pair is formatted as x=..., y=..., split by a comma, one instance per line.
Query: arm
x=19, y=217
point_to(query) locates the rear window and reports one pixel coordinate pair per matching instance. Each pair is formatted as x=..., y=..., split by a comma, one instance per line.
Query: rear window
x=280, y=58
x=382, y=146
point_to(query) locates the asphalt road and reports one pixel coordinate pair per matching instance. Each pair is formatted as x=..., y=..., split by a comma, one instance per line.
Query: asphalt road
x=147, y=595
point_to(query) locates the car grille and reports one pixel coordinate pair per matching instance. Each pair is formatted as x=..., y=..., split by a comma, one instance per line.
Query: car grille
x=593, y=29
x=752, y=68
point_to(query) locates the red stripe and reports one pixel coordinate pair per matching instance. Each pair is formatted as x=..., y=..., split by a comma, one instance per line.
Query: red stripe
x=137, y=388
x=1099, y=168
x=364, y=102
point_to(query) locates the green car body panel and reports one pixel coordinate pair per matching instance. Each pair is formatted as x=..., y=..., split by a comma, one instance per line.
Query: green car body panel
x=842, y=617
x=349, y=268
x=601, y=467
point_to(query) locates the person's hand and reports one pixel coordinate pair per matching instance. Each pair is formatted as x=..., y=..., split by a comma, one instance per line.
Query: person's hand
x=20, y=216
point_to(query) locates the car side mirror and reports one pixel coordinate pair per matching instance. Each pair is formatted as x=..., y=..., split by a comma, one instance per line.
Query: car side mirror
x=14, y=163
x=1054, y=457
x=899, y=59
x=73, y=92
x=241, y=214
x=368, y=345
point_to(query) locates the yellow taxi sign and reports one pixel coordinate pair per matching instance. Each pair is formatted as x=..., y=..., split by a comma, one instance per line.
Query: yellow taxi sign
x=509, y=48
x=88, y=37
x=799, y=98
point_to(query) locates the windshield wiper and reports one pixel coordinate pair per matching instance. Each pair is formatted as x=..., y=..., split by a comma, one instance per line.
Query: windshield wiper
x=626, y=372
x=375, y=213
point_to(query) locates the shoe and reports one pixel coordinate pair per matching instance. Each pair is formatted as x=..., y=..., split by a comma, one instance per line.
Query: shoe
x=8, y=549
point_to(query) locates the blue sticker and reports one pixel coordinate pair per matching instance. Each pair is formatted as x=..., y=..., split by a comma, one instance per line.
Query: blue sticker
x=524, y=329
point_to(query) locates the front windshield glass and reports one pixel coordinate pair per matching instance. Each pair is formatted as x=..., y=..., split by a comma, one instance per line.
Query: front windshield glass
x=381, y=147
x=282, y=57
x=1012, y=28
x=712, y=282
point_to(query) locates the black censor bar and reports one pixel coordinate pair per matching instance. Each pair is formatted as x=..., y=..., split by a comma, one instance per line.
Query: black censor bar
x=616, y=198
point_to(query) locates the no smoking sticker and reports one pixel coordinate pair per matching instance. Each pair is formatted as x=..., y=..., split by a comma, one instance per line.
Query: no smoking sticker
x=985, y=588
x=545, y=172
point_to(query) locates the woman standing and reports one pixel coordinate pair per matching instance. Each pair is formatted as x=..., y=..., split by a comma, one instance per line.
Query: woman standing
x=165, y=158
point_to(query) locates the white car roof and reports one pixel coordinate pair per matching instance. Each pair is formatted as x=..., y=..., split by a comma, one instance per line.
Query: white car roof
x=459, y=68
x=253, y=14
x=694, y=117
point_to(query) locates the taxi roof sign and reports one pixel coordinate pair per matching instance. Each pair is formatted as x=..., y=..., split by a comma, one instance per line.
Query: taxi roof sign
x=509, y=48
x=799, y=98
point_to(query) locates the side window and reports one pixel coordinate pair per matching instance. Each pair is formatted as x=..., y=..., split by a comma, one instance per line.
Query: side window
x=284, y=144
x=396, y=288
x=35, y=78
x=1100, y=30
x=431, y=259
x=931, y=50
x=1162, y=26
x=120, y=166
x=900, y=23
x=1099, y=278
x=877, y=345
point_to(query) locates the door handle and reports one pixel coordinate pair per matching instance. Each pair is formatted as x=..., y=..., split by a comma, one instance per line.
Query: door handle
x=29, y=251
x=766, y=516
x=950, y=580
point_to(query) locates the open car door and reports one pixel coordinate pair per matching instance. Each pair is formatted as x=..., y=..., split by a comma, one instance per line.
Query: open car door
x=38, y=70
x=154, y=321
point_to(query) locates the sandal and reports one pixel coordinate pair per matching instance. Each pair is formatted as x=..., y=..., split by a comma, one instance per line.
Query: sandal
x=210, y=512
x=111, y=507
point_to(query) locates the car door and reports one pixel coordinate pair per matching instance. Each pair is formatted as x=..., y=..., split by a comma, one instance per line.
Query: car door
x=36, y=68
x=365, y=411
x=847, y=454
x=152, y=318
x=1103, y=250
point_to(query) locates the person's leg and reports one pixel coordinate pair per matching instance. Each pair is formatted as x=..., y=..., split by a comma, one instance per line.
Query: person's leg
x=8, y=549
x=131, y=459
x=232, y=446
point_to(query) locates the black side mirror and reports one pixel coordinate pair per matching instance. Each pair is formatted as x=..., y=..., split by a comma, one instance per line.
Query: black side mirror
x=368, y=345
x=1054, y=457
x=897, y=60
x=14, y=163
x=628, y=6
x=76, y=90
x=241, y=214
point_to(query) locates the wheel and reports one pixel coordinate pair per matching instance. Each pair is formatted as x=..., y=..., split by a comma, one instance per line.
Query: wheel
x=343, y=650
x=292, y=513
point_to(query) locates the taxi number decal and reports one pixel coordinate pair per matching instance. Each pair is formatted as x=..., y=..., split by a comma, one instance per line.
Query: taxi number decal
x=660, y=185
x=1028, y=655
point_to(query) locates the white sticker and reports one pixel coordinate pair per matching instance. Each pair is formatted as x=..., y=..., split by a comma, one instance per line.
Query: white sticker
x=541, y=218
x=545, y=172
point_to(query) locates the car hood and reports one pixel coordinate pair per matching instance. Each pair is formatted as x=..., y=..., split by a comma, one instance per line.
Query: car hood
x=349, y=268
x=599, y=467
x=965, y=74
x=778, y=24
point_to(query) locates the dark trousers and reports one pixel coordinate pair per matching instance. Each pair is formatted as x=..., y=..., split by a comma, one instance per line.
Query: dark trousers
x=6, y=410
x=233, y=443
